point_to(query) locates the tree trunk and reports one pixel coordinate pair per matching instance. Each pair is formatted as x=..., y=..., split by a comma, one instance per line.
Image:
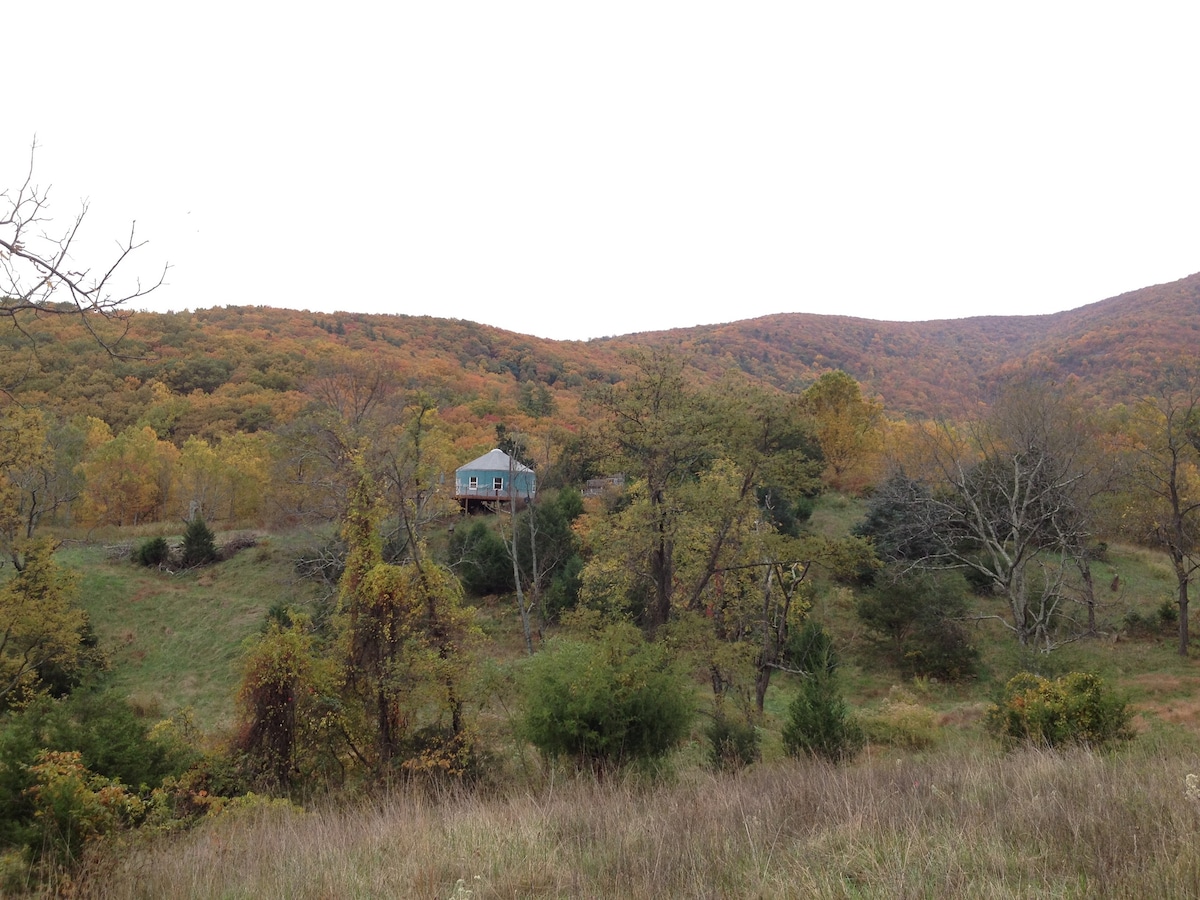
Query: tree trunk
x=1089, y=590
x=1182, y=574
x=768, y=654
x=1018, y=601
x=517, y=572
x=661, y=569
x=536, y=601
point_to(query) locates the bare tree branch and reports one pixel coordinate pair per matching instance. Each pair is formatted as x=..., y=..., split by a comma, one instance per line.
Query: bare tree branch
x=38, y=273
x=1006, y=498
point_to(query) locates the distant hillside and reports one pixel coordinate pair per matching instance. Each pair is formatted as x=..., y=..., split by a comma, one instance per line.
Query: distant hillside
x=232, y=369
x=951, y=366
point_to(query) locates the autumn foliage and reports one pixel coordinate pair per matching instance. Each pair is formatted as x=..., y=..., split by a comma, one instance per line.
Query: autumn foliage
x=250, y=414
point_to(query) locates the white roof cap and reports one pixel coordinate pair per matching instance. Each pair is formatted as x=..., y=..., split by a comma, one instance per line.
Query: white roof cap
x=493, y=460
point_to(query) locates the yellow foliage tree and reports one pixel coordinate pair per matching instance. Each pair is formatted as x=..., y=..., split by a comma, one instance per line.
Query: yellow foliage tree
x=847, y=427
x=405, y=636
x=128, y=478
x=23, y=448
x=40, y=623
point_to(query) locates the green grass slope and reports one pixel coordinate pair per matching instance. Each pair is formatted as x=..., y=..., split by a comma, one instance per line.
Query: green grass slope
x=174, y=639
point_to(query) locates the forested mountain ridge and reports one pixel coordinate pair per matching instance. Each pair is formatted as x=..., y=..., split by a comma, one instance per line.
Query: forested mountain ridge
x=229, y=369
x=952, y=366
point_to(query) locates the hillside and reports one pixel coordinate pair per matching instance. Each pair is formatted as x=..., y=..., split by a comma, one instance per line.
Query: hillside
x=221, y=370
x=264, y=420
x=950, y=366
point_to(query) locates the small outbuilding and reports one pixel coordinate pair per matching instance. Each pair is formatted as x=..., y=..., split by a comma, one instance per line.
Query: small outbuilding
x=494, y=478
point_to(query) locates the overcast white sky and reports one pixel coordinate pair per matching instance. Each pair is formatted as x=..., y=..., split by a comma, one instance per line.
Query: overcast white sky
x=576, y=170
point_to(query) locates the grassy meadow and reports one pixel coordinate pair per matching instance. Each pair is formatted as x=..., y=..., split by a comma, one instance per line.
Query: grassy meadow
x=947, y=824
x=931, y=808
x=174, y=640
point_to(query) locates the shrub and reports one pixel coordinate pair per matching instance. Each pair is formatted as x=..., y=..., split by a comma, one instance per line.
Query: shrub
x=606, y=701
x=16, y=873
x=73, y=805
x=480, y=560
x=563, y=594
x=900, y=722
x=732, y=743
x=1137, y=624
x=102, y=727
x=818, y=721
x=819, y=724
x=1074, y=709
x=1152, y=624
x=153, y=552
x=199, y=544
x=914, y=621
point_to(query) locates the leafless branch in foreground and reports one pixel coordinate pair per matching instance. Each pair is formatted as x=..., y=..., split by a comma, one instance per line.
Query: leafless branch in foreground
x=39, y=276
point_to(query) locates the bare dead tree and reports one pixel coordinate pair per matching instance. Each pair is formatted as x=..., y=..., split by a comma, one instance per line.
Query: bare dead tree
x=1008, y=500
x=353, y=387
x=39, y=275
x=512, y=545
x=1165, y=445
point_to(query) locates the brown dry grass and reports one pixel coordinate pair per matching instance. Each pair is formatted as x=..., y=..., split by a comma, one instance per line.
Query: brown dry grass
x=1168, y=697
x=984, y=825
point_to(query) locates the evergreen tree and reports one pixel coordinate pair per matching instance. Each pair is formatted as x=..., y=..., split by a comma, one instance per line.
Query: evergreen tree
x=199, y=544
x=819, y=723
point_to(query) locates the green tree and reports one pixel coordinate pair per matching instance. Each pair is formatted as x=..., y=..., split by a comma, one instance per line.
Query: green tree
x=606, y=701
x=916, y=619
x=701, y=459
x=41, y=624
x=199, y=544
x=479, y=558
x=535, y=399
x=548, y=548
x=658, y=433
x=819, y=722
x=783, y=580
x=723, y=528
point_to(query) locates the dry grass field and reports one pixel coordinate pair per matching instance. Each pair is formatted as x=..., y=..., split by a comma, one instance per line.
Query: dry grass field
x=985, y=825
